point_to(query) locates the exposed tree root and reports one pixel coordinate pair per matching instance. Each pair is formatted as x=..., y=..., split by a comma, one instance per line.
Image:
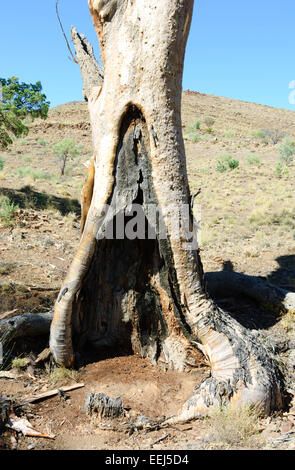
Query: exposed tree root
x=257, y=288
x=25, y=325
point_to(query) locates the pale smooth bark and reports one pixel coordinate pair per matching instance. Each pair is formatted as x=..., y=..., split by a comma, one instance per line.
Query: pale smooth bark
x=139, y=155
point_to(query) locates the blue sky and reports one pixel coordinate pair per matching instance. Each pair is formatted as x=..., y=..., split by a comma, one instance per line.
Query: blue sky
x=242, y=49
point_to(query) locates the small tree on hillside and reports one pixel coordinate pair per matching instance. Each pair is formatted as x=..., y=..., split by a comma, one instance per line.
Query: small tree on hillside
x=66, y=149
x=287, y=150
x=273, y=135
x=19, y=101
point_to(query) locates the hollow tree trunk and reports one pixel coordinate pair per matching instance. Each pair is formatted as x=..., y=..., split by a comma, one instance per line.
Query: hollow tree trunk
x=148, y=293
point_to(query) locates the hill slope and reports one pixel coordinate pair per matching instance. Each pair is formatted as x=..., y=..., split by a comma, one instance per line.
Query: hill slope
x=248, y=214
x=247, y=224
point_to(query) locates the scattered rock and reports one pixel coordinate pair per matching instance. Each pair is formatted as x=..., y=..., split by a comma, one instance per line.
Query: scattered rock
x=286, y=427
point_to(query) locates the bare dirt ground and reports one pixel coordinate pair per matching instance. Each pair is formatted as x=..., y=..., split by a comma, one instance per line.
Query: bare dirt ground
x=248, y=224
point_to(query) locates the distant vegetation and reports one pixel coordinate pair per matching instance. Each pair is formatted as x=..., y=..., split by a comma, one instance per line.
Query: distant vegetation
x=287, y=151
x=66, y=150
x=209, y=121
x=258, y=134
x=273, y=135
x=253, y=159
x=33, y=174
x=281, y=170
x=7, y=211
x=19, y=101
x=226, y=162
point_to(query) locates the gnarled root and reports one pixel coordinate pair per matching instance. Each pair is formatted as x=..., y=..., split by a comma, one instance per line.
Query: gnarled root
x=257, y=288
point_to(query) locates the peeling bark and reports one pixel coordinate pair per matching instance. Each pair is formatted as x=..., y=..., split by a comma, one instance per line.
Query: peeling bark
x=86, y=194
x=148, y=295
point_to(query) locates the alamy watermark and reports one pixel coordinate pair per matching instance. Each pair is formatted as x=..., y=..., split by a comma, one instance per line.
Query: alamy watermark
x=176, y=222
x=292, y=93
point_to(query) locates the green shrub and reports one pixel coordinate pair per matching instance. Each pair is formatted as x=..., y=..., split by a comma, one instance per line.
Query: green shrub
x=287, y=150
x=226, y=162
x=1, y=164
x=221, y=166
x=192, y=134
x=253, y=159
x=42, y=142
x=232, y=163
x=281, y=170
x=258, y=134
x=34, y=174
x=25, y=171
x=193, y=137
x=7, y=211
x=229, y=133
x=20, y=363
x=41, y=175
x=204, y=170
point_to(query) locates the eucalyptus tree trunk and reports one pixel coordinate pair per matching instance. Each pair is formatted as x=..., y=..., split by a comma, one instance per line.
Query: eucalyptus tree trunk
x=146, y=293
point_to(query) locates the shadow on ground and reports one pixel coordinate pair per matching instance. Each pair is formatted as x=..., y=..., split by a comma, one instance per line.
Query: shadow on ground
x=247, y=311
x=28, y=198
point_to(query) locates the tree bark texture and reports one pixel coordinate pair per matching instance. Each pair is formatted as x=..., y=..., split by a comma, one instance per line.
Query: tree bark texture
x=148, y=295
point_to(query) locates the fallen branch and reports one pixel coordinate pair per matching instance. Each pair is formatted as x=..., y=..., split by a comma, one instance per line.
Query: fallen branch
x=44, y=289
x=157, y=441
x=9, y=314
x=19, y=286
x=49, y=394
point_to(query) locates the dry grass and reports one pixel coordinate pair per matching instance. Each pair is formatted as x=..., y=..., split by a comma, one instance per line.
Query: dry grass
x=69, y=219
x=288, y=321
x=234, y=426
x=58, y=375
